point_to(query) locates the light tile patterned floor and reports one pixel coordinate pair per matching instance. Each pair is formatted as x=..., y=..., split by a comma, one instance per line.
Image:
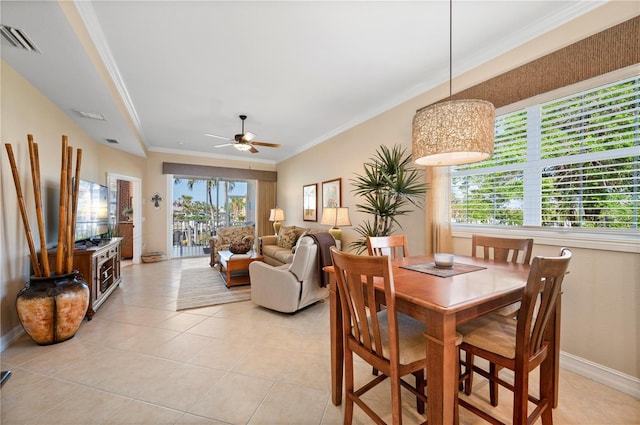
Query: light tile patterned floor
x=141, y=362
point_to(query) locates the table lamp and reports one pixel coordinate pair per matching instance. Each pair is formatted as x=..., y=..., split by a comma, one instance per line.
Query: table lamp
x=335, y=217
x=276, y=215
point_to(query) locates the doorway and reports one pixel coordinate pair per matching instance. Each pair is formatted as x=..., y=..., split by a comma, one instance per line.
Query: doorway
x=125, y=213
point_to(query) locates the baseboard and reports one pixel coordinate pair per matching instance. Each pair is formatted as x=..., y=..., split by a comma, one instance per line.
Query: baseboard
x=604, y=375
x=10, y=336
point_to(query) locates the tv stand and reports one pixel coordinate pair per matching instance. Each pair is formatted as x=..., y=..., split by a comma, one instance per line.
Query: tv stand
x=99, y=266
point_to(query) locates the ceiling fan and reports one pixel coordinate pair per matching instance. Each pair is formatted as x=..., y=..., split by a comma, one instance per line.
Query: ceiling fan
x=243, y=141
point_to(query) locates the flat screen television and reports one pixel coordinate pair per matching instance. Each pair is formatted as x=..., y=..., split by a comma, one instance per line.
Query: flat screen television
x=92, y=219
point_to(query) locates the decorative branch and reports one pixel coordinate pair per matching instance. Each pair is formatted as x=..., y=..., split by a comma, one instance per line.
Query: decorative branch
x=37, y=193
x=23, y=211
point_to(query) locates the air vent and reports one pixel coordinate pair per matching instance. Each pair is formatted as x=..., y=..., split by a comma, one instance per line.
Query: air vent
x=91, y=115
x=112, y=141
x=17, y=38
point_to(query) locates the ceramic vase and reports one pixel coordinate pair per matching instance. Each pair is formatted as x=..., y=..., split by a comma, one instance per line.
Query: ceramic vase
x=51, y=309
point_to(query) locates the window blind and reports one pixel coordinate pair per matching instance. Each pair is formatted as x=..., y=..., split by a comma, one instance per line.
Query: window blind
x=570, y=162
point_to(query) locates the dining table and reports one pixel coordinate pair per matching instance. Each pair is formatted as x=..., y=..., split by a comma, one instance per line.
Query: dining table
x=443, y=299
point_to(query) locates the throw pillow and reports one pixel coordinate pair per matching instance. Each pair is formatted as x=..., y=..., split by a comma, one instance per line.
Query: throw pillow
x=286, y=237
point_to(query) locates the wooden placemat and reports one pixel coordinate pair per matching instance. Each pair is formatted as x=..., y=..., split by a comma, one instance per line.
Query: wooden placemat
x=430, y=268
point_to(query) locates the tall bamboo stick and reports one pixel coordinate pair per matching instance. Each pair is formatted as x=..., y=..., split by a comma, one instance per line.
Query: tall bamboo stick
x=62, y=210
x=37, y=192
x=74, y=207
x=23, y=211
x=68, y=258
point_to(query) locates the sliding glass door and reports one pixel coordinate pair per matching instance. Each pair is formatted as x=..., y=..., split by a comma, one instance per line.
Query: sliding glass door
x=202, y=205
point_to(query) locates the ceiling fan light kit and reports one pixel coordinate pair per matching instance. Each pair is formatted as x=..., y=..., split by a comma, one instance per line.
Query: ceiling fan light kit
x=242, y=146
x=243, y=141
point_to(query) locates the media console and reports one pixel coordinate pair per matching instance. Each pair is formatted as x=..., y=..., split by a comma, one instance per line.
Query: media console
x=99, y=266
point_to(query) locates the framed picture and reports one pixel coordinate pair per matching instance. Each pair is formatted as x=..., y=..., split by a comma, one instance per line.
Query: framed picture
x=310, y=202
x=331, y=193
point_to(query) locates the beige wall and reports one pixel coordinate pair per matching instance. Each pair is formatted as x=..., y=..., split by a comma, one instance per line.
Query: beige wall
x=342, y=157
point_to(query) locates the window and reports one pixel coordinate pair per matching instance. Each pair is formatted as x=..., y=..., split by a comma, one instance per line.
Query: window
x=570, y=162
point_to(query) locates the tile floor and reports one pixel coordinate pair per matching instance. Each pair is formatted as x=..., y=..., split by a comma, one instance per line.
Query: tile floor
x=141, y=362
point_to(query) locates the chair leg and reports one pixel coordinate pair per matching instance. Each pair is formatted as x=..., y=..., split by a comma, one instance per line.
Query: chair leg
x=493, y=384
x=396, y=400
x=420, y=387
x=520, y=398
x=468, y=382
x=349, y=386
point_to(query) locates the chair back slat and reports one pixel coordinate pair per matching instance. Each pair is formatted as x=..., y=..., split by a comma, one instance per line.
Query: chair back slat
x=539, y=300
x=502, y=249
x=395, y=246
x=356, y=276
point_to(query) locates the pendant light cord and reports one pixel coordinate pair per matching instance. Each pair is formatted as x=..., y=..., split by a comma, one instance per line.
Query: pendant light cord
x=450, y=48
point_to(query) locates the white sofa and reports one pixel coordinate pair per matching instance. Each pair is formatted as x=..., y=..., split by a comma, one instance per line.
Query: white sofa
x=289, y=287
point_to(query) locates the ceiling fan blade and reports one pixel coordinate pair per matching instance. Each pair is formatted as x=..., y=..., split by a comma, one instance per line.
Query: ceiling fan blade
x=224, y=144
x=269, y=145
x=253, y=150
x=217, y=137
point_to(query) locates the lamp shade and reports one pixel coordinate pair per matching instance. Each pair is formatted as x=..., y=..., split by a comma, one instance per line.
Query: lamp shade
x=276, y=214
x=454, y=132
x=335, y=217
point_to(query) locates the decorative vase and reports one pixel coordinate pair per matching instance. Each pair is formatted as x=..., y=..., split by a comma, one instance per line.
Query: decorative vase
x=51, y=309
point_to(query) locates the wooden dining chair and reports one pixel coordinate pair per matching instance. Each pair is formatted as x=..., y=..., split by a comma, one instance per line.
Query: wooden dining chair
x=391, y=342
x=394, y=246
x=519, y=344
x=505, y=250
x=502, y=249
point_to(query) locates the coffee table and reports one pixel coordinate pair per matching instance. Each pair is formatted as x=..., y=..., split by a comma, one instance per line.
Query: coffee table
x=236, y=266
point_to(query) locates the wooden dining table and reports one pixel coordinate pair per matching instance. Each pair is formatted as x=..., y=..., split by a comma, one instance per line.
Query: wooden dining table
x=442, y=303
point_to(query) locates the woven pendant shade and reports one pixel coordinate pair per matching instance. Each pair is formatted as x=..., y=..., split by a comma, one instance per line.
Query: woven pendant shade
x=453, y=132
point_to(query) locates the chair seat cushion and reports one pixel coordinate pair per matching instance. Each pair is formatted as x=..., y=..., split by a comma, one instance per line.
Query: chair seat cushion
x=492, y=332
x=411, y=340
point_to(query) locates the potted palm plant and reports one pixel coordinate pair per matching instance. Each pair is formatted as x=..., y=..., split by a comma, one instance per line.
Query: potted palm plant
x=389, y=186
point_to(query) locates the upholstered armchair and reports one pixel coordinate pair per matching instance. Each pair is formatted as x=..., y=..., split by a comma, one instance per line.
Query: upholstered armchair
x=289, y=287
x=225, y=236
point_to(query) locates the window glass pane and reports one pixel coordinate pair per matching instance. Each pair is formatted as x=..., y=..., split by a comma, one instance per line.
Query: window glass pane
x=593, y=194
x=495, y=198
x=603, y=119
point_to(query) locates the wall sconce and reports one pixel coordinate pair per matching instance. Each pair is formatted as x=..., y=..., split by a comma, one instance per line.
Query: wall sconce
x=276, y=215
x=156, y=201
x=335, y=217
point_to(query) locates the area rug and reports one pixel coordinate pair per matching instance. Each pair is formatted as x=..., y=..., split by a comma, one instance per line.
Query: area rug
x=203, y=287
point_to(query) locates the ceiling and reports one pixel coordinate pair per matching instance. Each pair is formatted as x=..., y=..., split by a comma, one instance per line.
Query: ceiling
x=164, y=73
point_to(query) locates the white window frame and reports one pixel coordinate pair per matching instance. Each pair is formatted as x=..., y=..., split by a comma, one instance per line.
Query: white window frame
x=601, y=239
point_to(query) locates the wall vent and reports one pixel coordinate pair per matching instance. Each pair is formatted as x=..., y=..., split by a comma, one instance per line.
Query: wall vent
x=17, y=38
x=112, y=141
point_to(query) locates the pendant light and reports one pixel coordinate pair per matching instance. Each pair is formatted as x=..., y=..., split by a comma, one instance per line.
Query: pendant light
x=453, y=132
